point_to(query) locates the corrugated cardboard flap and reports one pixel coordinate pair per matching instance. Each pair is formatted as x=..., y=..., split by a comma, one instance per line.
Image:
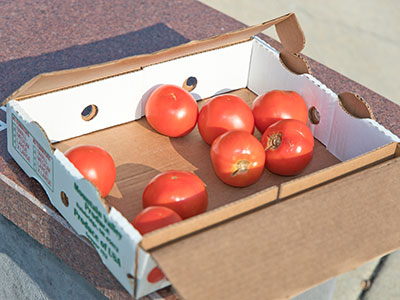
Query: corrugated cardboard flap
x=287, y=27
x=281, y=250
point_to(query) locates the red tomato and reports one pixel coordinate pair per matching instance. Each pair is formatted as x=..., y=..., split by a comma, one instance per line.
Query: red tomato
x=154, y=217
x=277, y=105
x=95, y=164
x=224, y=113
x=289, y=147
x=171, y=111
x=155, y=275
x=180, y=191
x=238, y=158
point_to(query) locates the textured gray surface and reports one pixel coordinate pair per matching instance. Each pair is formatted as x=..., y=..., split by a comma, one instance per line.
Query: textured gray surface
x=349, y=285
x=386, y=284
x=30, y=271
x=323, y=291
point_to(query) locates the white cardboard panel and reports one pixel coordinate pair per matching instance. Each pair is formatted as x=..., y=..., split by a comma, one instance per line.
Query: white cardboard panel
x=145, y=266
x=59, y=113
x=216, y=71
x=122, y=98
x=267, y=73
x=351, y=137
x=324, y=100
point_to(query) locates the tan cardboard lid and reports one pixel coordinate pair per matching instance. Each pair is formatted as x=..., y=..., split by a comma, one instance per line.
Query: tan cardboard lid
x=279, y=251
x=287, y=27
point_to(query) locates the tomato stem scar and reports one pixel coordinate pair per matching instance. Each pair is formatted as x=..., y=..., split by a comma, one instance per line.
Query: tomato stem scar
x=241, y=166
x=173, y=95
x=274, y=141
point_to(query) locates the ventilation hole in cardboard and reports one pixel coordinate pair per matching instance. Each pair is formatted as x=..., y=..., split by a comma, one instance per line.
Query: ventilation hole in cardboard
x=64, y=199
x=294, y=62
x=190, y=83
x=89, y=112
x=313, y=115
x=355, y=105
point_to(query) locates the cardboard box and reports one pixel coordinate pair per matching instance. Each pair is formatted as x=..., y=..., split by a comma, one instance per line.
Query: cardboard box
x=271, y=240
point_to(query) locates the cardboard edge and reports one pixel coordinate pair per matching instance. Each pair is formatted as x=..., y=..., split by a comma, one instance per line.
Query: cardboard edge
x=43, y=132
x=52, y=148
x=289, y=28
x=309, y=181
x=285, y=293
x=355, y=105
x=291, y=34
x=136, y=270
x=294, y=62
x=293, y=41
x=25, y=86
x=19, y=95
x=285, y=190
x=208, y=219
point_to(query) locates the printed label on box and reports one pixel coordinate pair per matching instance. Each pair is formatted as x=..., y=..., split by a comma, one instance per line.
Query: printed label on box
x=99, y=229
x=32, y=152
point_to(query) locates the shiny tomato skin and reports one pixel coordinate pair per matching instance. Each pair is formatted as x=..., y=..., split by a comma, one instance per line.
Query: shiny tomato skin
x=238, y=158
x=295, y=148
x=223, y=113
x=155, y=275
x=95, y=164
x=181, y=191
x=277, y=105
x=154, y=217
x=171, y=111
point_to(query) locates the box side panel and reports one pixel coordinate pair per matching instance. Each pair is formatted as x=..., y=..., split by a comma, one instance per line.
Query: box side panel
x=74, y=197
x=351, y=136
x=306, y=182
x=319, y=234
x=122, y=98
x=149, y=276
x=211, y=218
x=60, y=113
x=216, y=71
x=344, y=135
x=29, y=146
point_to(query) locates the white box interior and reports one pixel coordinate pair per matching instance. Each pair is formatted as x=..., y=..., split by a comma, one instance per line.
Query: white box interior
x=121, y=99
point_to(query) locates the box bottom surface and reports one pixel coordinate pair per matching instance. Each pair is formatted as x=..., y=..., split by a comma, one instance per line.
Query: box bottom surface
x=140, y=153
